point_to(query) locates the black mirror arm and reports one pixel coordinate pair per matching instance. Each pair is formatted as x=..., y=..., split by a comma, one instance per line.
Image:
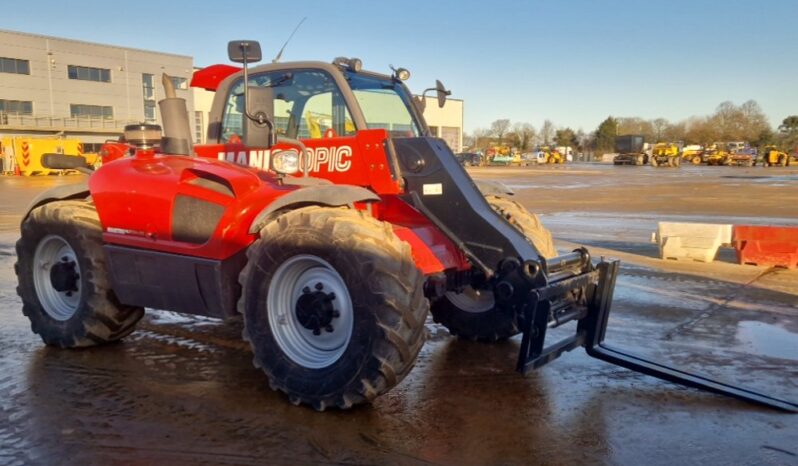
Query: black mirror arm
x=424, y=94
x=260, y=118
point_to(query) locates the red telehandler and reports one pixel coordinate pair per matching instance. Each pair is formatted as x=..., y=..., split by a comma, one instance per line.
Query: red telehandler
x=334, y=248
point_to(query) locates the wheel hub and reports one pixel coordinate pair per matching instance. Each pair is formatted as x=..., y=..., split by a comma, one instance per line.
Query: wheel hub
x=310, y=311
x=64, y=277
x=57, y=277
x=315, y=309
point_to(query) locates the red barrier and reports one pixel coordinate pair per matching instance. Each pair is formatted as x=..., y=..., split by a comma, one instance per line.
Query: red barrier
x=767, y=246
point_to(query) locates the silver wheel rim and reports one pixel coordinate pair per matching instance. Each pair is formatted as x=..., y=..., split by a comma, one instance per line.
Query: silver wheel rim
x=60, y=305
x=300, y=344
x=471, y=300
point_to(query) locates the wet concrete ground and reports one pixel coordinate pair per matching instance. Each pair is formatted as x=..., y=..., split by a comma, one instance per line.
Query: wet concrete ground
x=182, y=390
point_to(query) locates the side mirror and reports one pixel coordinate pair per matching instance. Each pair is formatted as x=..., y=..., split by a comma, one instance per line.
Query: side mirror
x=258, y=128
x=63, y=162
x=258, y=101
x=442, y=93
x=244, y=51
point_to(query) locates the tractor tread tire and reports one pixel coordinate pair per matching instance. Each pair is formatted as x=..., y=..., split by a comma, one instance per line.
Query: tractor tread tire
x=528, y=223
x=495, y=324
x=100, y=318
x=388, y=285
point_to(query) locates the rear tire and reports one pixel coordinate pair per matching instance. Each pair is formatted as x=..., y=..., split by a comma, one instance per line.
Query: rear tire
x=696, y=160
x=473, y=314
x=370, y=319
x=528, y=223
x=61, y=249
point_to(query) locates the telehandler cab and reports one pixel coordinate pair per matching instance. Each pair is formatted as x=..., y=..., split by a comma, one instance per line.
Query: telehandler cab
x=333, y=248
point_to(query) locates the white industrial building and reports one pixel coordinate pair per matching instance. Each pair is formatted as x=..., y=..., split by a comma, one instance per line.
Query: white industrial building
x=89, y=91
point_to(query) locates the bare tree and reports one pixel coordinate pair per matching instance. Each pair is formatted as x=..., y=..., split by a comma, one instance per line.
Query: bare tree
x=547, y=132
x=659, y=125
x=469, y=140
x=499, y=128
x=739, y=123
x=481, y=137
x=700, y=130
x=525, y=133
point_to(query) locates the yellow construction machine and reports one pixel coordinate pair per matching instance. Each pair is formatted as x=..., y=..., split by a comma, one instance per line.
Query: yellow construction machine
x=665, y=154
x=716, y=154
x=552, y=155
x=23, y=155
x=319, y=124
x=693, y=154
x=772, y=156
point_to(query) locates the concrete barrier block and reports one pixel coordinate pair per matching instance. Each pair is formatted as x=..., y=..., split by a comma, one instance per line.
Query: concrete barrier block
x=692, y=241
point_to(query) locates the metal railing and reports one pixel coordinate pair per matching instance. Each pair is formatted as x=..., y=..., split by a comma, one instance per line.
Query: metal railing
x=38, y=122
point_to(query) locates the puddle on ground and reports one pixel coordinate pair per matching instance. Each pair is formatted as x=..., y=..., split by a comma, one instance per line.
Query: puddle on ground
x=768, y=339
x=168, y=317
x=520, y=186
x=764, y=179
x=771, y=180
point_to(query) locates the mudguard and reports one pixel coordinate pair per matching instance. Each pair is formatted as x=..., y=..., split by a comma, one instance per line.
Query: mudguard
x=327, y=195
x=59, y=193
x=493, y=188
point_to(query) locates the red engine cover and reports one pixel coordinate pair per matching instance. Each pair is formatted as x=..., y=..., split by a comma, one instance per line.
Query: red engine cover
x=204, y=206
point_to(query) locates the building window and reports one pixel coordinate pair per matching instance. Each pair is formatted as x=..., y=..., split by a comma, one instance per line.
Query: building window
x=149, y=111
x=91, y=111
x=148, y=86
x=86, y=73
x=433, y=130
x=14, y=65
x=179, y=83
x=92, y=147
x=16, y=107
x=148, y=91
x=451, y=135
x=198, y=128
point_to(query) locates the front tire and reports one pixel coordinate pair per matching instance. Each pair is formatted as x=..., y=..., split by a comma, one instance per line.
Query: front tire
x=333, y=306
x=63, y=281
x=473, y=314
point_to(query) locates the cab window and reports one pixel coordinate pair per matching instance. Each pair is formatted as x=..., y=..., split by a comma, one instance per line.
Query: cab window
x=307, y=105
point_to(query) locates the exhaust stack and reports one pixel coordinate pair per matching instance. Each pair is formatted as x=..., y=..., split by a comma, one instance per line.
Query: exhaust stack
x=174, y=115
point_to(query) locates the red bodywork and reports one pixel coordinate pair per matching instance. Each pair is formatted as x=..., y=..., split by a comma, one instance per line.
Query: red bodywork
x=112, y=150
x=210, y=77
x=135, y=196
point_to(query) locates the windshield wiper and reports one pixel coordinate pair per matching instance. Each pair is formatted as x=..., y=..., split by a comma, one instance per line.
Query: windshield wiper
x=275, y=83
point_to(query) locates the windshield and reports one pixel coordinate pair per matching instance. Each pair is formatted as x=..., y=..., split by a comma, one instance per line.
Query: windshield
x=385, y=105
x=307, y=104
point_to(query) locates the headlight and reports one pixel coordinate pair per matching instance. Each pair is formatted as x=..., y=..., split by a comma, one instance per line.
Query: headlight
x=286, y=162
